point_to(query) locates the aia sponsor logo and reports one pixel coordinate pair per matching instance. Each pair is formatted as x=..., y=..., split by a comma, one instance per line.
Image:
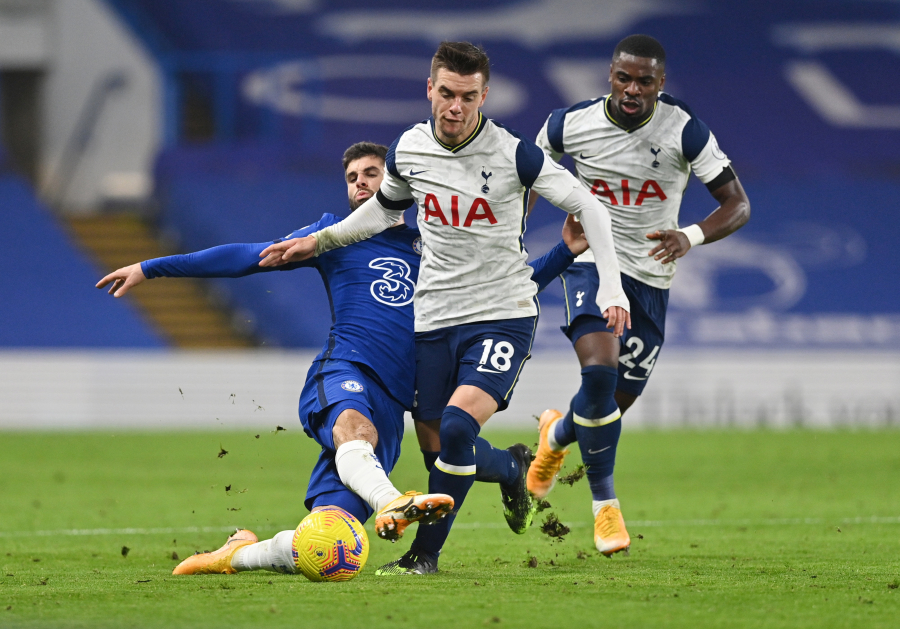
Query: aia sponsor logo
x=478, y=211
x=650, y=189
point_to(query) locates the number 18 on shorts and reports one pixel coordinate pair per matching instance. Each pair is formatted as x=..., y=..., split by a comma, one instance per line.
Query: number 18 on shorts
x=488, y=355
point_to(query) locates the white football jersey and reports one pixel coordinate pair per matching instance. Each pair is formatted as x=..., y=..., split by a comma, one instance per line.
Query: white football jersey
x=639, y=175
x=472, y=200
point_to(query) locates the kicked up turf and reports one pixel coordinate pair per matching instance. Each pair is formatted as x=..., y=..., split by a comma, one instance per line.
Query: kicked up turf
x=729, y=529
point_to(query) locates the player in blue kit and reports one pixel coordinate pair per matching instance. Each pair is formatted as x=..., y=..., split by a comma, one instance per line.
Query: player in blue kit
x=634, y=150
x=475, y=306
x=360, y=383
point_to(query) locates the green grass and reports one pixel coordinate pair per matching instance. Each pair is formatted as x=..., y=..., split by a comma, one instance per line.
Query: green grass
x=736, y=529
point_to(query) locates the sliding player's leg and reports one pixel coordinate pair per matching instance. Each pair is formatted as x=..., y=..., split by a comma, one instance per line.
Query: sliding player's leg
x=360, y=428
x=472, y=369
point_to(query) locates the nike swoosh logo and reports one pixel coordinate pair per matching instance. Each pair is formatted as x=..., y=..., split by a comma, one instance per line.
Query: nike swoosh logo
x=583, y=156
x=599, y=451
x=412, y=174
x=628, y=376
x=483, y=370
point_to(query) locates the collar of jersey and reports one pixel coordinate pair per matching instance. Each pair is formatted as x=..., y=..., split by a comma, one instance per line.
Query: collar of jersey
x=464, y=143
x=612, y=120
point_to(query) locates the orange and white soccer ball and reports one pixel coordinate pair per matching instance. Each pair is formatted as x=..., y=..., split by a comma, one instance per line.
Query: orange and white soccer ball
x=330, y=545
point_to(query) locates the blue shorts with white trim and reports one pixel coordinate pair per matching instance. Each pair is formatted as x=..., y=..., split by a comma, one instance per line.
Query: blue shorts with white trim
x=641, y=344
x=489, y=355
x=333, y=386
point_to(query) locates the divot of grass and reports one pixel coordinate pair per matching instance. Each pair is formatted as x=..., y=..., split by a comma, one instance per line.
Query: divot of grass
x=573, y=477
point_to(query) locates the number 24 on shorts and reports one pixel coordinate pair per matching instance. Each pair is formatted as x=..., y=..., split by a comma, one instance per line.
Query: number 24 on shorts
x=501, y=359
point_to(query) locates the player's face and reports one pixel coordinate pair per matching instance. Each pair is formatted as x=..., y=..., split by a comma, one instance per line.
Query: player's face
x=363, y=178
x=455, y=99
x=635, y=83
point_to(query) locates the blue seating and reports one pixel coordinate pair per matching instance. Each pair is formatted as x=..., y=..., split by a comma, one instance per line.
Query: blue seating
x=48, y=299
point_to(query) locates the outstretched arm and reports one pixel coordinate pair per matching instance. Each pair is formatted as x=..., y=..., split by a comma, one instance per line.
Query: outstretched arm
x=732, y=214
x=235, y=260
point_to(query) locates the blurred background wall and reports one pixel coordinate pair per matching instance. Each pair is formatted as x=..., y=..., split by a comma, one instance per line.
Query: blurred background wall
x=136, y=128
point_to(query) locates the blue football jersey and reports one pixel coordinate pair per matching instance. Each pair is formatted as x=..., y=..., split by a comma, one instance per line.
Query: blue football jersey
x=370, y=287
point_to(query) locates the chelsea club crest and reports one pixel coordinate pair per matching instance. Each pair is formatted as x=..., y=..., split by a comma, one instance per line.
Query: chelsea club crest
x=352, y=386
x=418, y=247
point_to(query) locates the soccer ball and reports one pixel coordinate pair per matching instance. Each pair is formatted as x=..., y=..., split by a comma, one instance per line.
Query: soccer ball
x=330, y=545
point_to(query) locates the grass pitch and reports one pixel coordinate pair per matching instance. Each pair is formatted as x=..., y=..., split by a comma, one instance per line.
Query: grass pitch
x=736, y=529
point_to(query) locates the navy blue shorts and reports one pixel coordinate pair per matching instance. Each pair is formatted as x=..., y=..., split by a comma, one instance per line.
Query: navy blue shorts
x=640, y=344
x=333, y=386
x=487, y=354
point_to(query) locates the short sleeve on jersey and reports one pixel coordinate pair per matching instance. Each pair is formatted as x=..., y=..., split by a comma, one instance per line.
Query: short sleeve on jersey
x=555, y=125
x=711, y=161
x=529, y=162
x=394, y=188
x=695, y=134
x=542, y=141
x=394, y=192
x=698, y=144
x=390, y=160
x=694, y=138
x=557, y=121
x=529, y=157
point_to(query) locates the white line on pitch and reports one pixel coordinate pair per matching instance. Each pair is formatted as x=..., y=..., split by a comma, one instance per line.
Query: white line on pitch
x=468, y=525
x=739, y=522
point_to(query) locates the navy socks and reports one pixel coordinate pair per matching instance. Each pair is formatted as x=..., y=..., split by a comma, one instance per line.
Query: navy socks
x=453, y=473
x=492, y=465
x=594, y=421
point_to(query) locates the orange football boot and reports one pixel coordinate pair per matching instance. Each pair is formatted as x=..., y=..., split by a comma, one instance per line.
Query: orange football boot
x=610, y=535
x=547, y=462
x=218, y=561
x=413, y=506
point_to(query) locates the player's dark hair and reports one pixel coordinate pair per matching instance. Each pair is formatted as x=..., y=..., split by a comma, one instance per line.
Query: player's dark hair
x=462, y=58
x=641, y=46
x=363, y=149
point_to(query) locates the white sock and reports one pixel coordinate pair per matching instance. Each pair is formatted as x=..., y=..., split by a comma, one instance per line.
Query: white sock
x=551, y=437
x=275, y=555
x=599, y=504
x=361, y=471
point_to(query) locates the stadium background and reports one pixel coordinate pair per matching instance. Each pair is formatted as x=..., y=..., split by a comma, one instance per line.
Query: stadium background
x=221, y=121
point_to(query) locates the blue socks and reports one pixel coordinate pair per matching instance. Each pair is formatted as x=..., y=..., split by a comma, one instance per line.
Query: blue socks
x=453, y=473
x=492, y=465
x=594, y=421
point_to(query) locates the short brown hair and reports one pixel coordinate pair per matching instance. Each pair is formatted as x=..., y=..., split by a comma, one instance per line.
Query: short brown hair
x=363, y=149
x=462, y=58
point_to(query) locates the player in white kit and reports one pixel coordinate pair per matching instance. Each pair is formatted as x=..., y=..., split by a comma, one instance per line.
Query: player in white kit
x=634, y=149
x=475, y=306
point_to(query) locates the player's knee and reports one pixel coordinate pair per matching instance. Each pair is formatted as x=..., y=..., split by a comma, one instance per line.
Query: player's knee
x=459, y=431
x=351, y=425
x=596, y=398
